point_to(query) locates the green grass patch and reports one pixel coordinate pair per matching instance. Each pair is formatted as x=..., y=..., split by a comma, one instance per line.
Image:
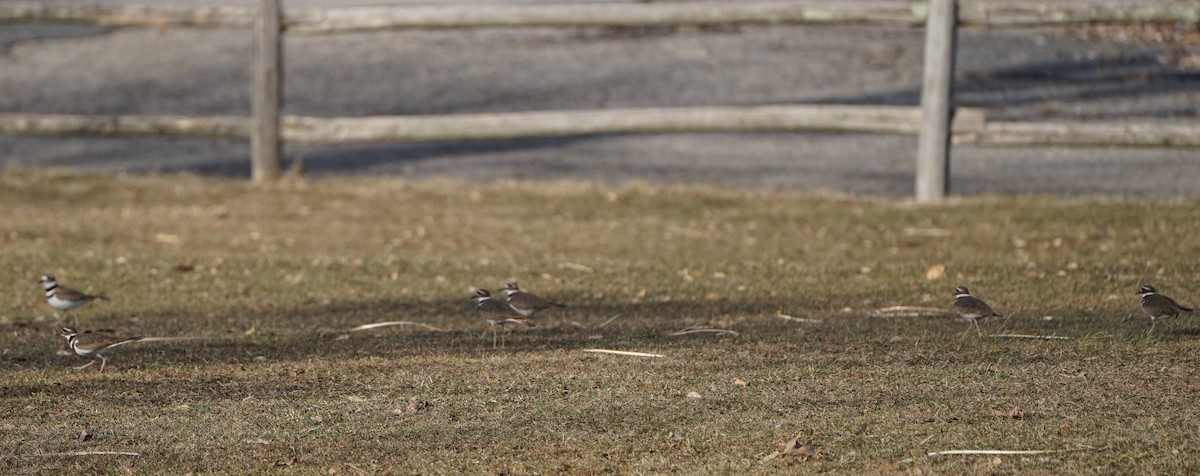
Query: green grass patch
x=274, y=276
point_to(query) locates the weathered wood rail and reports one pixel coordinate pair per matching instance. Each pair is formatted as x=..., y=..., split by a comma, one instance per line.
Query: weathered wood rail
x=938, y=122
x=368, y=18
x=968, y=126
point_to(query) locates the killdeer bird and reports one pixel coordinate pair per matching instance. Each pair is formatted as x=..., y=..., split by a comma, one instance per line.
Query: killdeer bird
x=64, y=298
x=971, y=308
x=496, y=312
x=525, y=303
x=93, y=344
x=1157, y=306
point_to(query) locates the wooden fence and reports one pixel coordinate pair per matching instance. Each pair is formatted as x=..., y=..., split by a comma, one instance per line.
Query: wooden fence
x=937, y=121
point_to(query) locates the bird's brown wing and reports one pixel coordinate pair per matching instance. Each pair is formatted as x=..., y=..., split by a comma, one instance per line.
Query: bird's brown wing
x=970, y=305
x=532, y=301
x=69, y=294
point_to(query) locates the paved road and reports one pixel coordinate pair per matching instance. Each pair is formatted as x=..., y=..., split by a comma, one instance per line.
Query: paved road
x=1021, y=74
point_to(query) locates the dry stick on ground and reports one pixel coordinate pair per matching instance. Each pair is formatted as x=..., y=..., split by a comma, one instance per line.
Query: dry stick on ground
x=622, y=352
x=585, y=326
x=1009, y=452
x=910, y=311
x=577, y=267
x=797, y=319
x=394, y=323
x=1025, y=336
x=172, y=339
x=605, y=323
x=705, y=329
x=84, y=453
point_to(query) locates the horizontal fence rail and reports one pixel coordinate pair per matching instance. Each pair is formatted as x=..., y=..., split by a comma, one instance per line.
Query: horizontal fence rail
x=369, y=18
x=208, y=127
x=356, y=130
x=1082, y=134
x=968, y=127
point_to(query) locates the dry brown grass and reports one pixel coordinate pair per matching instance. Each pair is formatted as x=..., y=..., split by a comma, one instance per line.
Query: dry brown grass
x=275, y=276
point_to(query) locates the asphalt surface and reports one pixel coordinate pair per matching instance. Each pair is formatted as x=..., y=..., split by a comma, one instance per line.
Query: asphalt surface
x=1028, y=74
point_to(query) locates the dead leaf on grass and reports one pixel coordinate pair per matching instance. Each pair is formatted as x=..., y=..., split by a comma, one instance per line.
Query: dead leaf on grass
x=935, y=272
x=168, y=239
x=739, y=382
x=694, y=396
x=414, y=406
x=1065, y=430
x=795, y=446
x=84, y=435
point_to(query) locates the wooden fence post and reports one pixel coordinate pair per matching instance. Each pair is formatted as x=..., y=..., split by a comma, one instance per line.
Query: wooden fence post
x=266, y=94
x=937, y=101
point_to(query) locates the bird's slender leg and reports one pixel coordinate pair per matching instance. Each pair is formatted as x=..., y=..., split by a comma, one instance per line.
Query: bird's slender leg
x=89, y=364
x=977, y=330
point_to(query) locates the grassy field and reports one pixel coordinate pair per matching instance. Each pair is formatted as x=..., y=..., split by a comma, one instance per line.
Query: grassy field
x=274, y=277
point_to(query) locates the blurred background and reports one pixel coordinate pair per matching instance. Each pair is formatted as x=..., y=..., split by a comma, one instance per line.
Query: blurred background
x=1082, y=72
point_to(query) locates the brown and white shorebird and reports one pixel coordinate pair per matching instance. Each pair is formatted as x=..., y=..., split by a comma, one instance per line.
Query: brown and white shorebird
x=971, y=308
x=496, y=312
x=94, y=344
x=63, y=298
x=527, y=304
x=1159, y=307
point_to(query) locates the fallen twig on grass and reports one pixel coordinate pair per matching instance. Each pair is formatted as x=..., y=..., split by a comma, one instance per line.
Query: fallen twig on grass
x=622, y=352
x=797, y=319
x=704, y=329
x=394, y=323
x=170, y=339
x=909, y=311
x=1009, y=452
x=576, y=267
x=605, y=323
x=1026, y=336
x=85, y=453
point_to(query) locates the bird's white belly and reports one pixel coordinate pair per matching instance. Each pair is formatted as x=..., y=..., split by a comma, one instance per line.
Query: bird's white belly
x=64, y=305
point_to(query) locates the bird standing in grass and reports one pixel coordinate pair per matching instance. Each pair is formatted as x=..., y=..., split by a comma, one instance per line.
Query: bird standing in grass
x=496, y=312
x=94, y=344
x=1157, y=306
x=63, y=298
x=971, y=308
x=527, y=304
